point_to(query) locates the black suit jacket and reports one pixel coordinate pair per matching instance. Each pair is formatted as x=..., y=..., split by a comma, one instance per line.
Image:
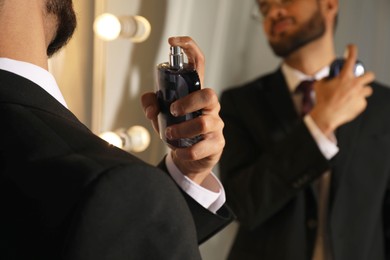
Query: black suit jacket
x=271, y=160
x=66, y=194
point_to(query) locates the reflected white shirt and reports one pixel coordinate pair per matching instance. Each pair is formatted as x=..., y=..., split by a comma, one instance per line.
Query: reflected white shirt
x=204, y=194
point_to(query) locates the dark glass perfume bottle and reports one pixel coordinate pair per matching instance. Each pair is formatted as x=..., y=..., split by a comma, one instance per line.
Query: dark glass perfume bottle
x=337, y=65
x=175, y=79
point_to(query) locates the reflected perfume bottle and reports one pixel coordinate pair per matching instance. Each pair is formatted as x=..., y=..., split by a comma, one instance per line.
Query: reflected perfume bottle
x=337, y=65
x=175, y=79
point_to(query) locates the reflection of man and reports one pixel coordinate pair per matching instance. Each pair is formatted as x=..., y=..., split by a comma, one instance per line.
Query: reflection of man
x=316, y=187
x=67, y=194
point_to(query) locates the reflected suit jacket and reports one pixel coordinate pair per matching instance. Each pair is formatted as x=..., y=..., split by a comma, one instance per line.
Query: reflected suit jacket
x=270, y=162
x=66, y=194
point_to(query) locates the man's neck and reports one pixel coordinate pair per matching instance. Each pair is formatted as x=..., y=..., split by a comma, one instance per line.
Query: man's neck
x=22, y=32
x=312, y=57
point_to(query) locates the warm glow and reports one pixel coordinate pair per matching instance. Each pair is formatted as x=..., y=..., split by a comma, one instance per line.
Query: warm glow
x=112, y=138
x=107, y=27
x=135, y=139
x=143, y=29
x=140, y=138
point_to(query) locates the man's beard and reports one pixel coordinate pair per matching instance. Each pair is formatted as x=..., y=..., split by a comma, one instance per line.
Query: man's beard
x=310, y=31
x=67, y=22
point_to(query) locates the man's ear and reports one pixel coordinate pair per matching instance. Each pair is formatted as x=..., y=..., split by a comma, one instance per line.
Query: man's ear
x=331, y=6
x=330, y=9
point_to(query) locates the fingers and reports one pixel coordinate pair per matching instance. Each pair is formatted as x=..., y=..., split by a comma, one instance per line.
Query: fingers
x=210, y=147
x=209, y=125
x=366, y=78
x=366, y=91
x=151, y=109
x=201, y=125
x=359, y=86
x=204, y=99
x=349, y=65
x=150, y=105
x=348, y=71
x=197, y=161
x=193, y=52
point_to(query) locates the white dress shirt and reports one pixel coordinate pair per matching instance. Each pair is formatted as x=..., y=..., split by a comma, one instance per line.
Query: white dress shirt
x=204, y=194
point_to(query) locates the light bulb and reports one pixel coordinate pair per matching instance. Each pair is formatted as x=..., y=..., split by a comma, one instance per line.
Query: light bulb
x=139, y=137
x=136, y=28
x=112, y=138
x=109, y=27
x=135, y=139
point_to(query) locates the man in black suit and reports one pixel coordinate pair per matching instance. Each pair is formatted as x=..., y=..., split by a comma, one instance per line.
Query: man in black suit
x=67, y=194
x=312, y=187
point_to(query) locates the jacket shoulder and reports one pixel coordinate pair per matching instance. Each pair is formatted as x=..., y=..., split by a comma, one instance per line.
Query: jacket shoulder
x=380, y=96
x=261, y=83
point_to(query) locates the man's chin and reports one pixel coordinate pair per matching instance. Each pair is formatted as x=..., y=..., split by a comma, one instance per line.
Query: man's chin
x=281, y=50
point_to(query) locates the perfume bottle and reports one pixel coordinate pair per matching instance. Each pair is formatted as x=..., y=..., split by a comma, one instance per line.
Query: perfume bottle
x=175, y=79
x=337, y=65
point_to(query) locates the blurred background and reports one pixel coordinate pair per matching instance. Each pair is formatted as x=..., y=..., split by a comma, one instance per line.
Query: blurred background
x=102, y=80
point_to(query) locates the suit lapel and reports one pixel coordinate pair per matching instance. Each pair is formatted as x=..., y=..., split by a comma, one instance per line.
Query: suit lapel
x=280, y=101
x=285, y=113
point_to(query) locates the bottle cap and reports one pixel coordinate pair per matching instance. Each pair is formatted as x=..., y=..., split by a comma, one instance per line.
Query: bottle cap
x=176, y=57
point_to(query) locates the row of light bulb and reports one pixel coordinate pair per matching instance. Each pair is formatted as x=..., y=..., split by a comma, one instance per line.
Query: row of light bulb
x=110, y=27
x=135, y=139
x=137, y=28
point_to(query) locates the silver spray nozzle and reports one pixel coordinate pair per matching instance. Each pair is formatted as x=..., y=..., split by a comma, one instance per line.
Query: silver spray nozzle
x=176, y=59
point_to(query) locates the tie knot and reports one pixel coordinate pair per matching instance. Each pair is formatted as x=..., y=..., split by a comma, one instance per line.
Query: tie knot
x=306, y=87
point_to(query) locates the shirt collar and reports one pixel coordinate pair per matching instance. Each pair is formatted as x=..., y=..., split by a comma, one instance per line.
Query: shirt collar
x=36, y=74
x=294, y=77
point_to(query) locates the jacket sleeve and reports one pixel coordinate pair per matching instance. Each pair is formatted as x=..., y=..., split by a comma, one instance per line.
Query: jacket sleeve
x=207, y=223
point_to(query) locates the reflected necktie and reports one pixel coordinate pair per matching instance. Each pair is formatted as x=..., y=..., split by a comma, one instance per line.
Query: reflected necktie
x=306, y=88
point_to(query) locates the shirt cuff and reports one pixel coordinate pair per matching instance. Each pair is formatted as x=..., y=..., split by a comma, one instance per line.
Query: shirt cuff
x=328, y=146
x=204, y=194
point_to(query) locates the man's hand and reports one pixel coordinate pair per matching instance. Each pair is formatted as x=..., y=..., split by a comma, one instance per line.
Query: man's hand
x=343, y=98
x=198, y=160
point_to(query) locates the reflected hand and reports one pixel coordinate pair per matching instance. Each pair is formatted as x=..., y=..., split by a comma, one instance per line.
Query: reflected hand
x=343, y=98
